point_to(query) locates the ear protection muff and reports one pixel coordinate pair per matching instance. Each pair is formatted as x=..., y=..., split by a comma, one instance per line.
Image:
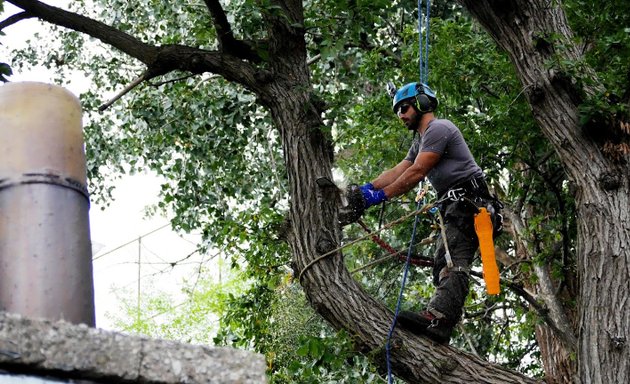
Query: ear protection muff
x=423, y=102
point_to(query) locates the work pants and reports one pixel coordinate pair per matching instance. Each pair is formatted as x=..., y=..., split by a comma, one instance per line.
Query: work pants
x=453, y=283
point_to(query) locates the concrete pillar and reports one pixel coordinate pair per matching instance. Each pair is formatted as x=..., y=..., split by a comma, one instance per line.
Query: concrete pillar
x=45, y=247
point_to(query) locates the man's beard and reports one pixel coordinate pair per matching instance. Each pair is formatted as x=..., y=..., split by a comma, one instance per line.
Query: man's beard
x=412, y=124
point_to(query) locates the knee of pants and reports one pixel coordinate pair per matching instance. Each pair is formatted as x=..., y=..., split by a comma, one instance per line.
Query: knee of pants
x=438, y=266
x=460, y=272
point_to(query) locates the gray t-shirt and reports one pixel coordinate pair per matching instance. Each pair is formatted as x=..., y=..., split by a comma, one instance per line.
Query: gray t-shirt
x=456, y=162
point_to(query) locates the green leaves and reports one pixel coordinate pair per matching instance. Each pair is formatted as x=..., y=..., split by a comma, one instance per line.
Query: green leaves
x=327, y=359
x=5, y=70
x=602, y=29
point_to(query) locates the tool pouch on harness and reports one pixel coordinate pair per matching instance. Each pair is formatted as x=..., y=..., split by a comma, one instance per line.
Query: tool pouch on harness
x=488, y=224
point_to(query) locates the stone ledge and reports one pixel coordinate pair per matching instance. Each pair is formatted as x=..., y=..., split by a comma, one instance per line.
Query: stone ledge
x=65, y=350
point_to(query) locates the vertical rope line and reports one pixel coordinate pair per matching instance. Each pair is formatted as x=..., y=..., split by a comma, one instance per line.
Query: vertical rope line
x=426, y=45
x=423, y=51
x=423, y=66
x=420, y=48
x=400, y=295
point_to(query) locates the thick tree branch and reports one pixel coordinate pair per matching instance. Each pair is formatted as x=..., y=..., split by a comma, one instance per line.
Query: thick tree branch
x=561, y=324
x=107, y=34
x=195, y=60
x=293, y=8
x=14, y=19
x=227, y=42
x=286, y=31
x=159, y=60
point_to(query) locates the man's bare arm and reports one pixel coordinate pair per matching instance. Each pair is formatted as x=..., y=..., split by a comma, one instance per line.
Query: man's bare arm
x=391, y=175
x=412, y=175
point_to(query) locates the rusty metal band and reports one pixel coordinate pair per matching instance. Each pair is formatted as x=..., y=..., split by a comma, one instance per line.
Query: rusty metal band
x=46, y=178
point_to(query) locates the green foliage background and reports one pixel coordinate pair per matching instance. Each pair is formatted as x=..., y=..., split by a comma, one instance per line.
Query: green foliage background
x=222, y=158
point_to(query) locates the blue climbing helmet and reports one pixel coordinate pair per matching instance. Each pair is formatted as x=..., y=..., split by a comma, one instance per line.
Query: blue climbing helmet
x=423, y=97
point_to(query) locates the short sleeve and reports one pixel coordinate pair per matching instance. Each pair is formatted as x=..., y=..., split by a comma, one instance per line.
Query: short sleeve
x=413, y=151
x=436, y=138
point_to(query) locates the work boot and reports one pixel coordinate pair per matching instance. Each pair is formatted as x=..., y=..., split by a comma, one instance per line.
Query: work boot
x=425, y=323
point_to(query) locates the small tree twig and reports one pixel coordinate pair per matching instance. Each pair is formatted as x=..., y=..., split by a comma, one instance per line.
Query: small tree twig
x=128, y=88
x=172, y=80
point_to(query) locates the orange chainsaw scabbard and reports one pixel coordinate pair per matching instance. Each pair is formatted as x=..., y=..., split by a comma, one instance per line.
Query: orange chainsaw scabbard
x=483, y=227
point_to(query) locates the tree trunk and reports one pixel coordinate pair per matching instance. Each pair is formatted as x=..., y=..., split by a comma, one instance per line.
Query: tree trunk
x=535, y=34
x=314, y=231
x=558, y=363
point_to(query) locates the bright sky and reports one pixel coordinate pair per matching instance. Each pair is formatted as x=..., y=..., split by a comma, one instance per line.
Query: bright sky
x=116, y=229
x=115, y=232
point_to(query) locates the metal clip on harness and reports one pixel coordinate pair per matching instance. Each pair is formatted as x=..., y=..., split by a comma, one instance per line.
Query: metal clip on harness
x=455, y=194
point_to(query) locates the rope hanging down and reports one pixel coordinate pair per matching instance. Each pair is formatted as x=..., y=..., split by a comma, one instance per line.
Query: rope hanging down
x=400, y=296
x=423, y=51
x=424, y=78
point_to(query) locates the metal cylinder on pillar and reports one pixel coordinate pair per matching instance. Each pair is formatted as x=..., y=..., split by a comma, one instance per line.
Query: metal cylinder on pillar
x=45, y=247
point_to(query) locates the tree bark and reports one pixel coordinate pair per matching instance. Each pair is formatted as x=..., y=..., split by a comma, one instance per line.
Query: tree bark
x=535, y=34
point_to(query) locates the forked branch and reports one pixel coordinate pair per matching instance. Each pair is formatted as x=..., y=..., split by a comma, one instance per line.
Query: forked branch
x=227, y=42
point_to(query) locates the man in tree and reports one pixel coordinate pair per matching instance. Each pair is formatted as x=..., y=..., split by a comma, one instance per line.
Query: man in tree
x=441, y=155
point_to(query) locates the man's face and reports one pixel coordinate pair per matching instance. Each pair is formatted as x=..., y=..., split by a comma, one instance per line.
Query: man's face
x=407, y=113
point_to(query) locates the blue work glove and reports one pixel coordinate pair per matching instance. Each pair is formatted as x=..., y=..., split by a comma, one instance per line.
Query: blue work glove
x=366, y=187
x=373, y=196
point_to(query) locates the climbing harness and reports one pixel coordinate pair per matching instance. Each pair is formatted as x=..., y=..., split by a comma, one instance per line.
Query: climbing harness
x=484, y=229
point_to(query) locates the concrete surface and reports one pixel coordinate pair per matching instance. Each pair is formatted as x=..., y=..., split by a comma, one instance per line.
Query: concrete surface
x=76, y=352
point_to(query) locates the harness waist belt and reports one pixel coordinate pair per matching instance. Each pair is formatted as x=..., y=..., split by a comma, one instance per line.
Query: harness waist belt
x=476, y=184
